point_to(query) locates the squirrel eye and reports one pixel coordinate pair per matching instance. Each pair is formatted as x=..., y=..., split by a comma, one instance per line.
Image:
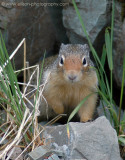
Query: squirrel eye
x=84, y=62
x=61, y=61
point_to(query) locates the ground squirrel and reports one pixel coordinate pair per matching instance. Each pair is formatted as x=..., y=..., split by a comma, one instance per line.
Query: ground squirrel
x=71, y=78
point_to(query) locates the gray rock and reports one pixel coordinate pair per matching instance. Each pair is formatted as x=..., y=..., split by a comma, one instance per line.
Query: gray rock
x=15, y=154
x=56, y=17
x=42, y=152
x=95, y=140
x=95, y=16
x=40, y=25
x=33, y=23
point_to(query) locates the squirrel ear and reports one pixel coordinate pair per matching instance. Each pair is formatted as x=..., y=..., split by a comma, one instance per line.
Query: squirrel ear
x=61, y=48
x=62, y=45
x=86, y=48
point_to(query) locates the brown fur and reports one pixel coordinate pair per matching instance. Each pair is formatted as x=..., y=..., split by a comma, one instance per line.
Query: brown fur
x=61, y=93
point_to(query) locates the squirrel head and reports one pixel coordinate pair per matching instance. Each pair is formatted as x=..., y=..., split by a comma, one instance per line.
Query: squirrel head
x=74, y=62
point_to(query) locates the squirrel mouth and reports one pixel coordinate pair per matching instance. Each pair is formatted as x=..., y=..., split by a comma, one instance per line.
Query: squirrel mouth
x=72, y=78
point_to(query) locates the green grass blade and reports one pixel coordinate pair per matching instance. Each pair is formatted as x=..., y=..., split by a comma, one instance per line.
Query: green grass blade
x=122, y=89
x=103, y=57
x=121, y=140
x=76, y=110
x=110, y=62
x=112, y=112
x=9, y=84
x=104, y=110
x=123, y=118
x=78, y=107
x=97, y=60
x=14, y=118
x=101, y=80
x=108, y=49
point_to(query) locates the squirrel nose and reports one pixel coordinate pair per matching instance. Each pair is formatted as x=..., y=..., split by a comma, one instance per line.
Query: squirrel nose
x=72, y=77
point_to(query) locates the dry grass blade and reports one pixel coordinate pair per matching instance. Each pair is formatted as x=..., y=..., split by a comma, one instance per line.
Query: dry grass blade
x=13, y=54
x=28, y=118
x=17, y=137
x=24, y=74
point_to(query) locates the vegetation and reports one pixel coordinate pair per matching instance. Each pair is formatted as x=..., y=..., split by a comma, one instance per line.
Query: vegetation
x=20, y=126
